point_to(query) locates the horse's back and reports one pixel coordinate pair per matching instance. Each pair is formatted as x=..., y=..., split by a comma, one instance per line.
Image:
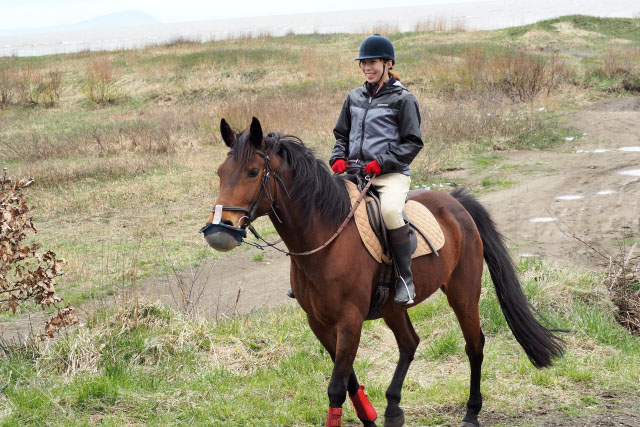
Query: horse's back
x=461, y=234
x=441, y=203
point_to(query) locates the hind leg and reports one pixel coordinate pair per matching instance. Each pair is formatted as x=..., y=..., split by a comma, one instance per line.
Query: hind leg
x=408, y=341
x=464, y=302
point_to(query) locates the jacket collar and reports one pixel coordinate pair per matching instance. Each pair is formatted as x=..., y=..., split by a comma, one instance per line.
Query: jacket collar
x=390, y=85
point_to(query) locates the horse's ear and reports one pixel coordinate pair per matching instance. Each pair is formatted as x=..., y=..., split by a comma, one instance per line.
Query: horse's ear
x=255, y=132
x=227, y=134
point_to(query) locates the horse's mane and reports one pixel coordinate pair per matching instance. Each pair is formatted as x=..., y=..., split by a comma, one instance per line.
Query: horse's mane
x=313, y=186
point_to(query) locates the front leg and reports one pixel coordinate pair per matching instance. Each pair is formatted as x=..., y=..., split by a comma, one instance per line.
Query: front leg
x=341, y=341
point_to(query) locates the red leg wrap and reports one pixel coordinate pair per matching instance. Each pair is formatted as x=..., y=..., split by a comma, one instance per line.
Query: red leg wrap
x=364, y=408
x=334, y=419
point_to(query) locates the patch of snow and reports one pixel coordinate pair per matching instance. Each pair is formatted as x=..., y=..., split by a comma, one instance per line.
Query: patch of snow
x=570, y=197
x=543, y=219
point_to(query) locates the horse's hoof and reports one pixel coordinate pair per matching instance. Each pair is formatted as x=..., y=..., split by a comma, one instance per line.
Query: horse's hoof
x=397, y=421
x=468, y=424
x=368, y=424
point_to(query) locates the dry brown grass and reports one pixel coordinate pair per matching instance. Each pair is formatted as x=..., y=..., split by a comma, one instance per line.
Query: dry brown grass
x=383, y=29
x=29, y=85
x=520, y=76
x=440, y=24
x=624, y=286
x=452, y=130
x=100, y=85
x=621, y=59
x=9, y=85
x=146, y=164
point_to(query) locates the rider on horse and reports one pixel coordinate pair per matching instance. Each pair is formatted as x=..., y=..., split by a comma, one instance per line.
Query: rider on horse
x=379, y=128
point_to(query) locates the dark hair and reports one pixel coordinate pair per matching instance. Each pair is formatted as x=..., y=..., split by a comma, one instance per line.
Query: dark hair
x=313, y=186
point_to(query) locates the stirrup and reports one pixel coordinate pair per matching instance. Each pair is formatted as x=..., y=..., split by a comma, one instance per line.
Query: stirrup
x=406, y=287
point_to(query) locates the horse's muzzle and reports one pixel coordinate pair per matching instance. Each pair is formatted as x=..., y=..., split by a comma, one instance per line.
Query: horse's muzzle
x=222, y=237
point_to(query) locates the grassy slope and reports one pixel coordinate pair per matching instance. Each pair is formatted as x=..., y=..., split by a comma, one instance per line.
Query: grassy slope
x=143, y=364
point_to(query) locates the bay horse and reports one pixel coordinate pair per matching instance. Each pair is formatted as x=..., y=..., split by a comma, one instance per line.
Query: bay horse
x=278, y=176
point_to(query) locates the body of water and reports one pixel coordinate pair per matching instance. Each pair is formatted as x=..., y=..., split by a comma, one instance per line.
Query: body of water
x=480, y=15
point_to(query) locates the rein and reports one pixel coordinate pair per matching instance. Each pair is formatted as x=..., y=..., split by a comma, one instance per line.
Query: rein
x=328, y=242
x=251, y=212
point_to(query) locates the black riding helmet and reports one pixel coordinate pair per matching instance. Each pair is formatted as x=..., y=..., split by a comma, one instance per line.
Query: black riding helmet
x=377, y=46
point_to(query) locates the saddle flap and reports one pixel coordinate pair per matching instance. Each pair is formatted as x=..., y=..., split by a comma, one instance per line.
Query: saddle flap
x=417, y=214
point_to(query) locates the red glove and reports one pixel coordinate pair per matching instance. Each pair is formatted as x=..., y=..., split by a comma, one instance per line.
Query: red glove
x=339, y=166
x=373, y=168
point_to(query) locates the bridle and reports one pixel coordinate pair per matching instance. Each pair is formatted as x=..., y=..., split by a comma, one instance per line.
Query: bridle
x=239, y=231
x=245, y=221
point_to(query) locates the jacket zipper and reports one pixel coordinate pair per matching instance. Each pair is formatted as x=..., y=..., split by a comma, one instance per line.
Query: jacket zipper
x=364, y=118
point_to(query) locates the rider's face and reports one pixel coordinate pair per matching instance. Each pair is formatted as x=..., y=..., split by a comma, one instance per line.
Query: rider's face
x=373, y=70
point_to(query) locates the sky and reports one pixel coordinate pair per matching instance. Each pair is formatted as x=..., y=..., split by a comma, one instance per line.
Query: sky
x=46, y=13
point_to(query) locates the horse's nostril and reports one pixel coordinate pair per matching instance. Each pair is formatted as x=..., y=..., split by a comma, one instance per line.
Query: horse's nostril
x=227, y=222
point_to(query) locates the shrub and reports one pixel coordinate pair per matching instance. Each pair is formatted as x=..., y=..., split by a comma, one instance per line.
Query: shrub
x=49, y=89
x=99, y=85
x=519, y=76
x=8, y=86
x=30, y=86
x=25, y=274
x=616, y=71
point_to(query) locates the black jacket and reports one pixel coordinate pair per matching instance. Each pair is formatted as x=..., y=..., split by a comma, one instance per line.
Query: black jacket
x=383, y=127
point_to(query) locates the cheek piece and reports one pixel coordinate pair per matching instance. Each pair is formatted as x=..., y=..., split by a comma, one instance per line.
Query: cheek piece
x=364, y=408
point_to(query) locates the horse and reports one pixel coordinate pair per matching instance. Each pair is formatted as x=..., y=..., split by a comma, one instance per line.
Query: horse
x=278, y=176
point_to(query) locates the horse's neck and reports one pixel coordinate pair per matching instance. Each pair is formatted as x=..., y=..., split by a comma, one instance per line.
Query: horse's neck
x=298, y=232
x=295, y=231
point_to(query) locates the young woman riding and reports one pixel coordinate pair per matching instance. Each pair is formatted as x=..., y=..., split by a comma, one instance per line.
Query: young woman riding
x=379, y=128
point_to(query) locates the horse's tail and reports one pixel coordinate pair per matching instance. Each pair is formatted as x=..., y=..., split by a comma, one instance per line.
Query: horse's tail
x=540, y=344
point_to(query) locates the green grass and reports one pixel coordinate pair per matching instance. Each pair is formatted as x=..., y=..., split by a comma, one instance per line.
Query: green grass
x=546, y=131
x=620, y=28
x=145, y=364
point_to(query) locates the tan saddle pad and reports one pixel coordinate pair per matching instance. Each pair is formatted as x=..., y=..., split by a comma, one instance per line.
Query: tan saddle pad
x=417, y=213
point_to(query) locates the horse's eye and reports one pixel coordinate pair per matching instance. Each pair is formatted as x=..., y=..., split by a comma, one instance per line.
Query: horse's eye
x=253, y=173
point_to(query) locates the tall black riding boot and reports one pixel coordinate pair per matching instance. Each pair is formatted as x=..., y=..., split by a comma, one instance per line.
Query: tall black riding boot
x=401, y=251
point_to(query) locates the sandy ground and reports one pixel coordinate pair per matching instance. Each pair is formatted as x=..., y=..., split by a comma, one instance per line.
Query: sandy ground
x=588, y=191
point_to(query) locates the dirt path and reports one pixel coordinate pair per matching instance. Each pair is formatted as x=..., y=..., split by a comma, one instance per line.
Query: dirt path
x=590, y=190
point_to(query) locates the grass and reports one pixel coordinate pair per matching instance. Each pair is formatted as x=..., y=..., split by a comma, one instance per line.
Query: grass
x=122, y=184
x=142, y=363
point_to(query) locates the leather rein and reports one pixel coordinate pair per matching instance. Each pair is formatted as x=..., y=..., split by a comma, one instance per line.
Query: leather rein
x=245, y=221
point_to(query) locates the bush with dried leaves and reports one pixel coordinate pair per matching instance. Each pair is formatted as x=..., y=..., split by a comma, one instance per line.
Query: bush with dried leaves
x=624, y=286
x=25, y=273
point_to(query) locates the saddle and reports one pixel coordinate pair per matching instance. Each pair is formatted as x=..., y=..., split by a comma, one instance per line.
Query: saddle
x=427, y=237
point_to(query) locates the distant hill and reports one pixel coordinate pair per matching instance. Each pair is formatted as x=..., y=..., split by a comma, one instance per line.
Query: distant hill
x=126, y=18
